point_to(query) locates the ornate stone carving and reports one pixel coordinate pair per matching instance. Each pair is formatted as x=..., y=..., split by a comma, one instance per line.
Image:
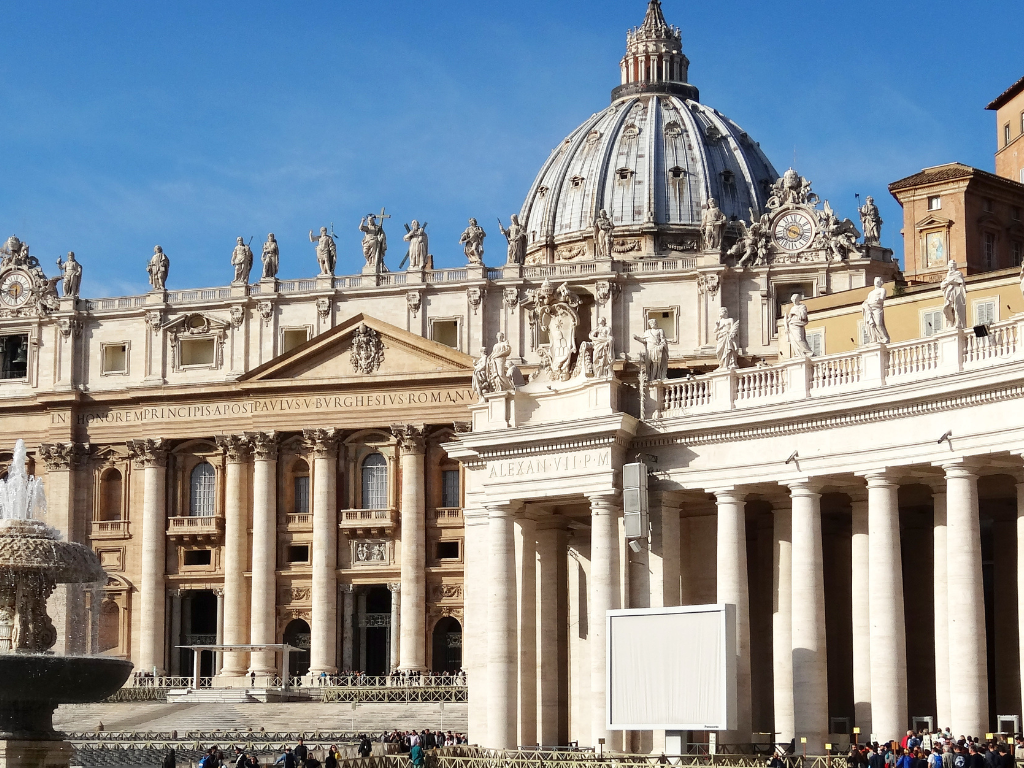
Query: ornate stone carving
x=395, y=586
x=599, y=352
x=414, y=298
x=241, y=260
x=626, y=246
x=554, y=312
x=516, y=236
x=237, y=316
x=60, y=456
x=603, y=291
x=439, y=592
x=837, y=238
x=300, y=594
x=264, y=445
x=270, y=257
x=472, y=241
x=712, y=226
x=326, y=251
x=871, y=222
x=15, y=253
x=410, y=438
x=266, y=310
x=791, y=189
x=367, y=349
x=235, y=447
x=873, y=310
x=495, y=372
x=154, y=319
x=322, y=443
x=655, y=354
x=71, y=274
x=510, y=296
x=752, y=244
x=708, y=283
x=726, y=340
x=148, y=452
x=157, y=269
x=323, y=307
x=68, y=326
x=570, y=252
x=370, y=551
x=475, y=296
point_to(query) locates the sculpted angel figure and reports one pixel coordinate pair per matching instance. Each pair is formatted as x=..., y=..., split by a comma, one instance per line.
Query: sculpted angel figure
x=416, y=236
x=601, y=339
x=712, y=225
x=796, y=327
x=473, y=241
x=241, y=260
x=326, y=251
x=72, y=273
x=727, y=347
x=656, y=365
x=271, y=257
x=158, y=267
x=873, y=310
x=516, y=236
x=604, y=230
x=954, y=293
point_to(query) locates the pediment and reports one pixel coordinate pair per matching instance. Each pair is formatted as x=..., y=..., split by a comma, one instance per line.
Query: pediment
x=330, y=355
x=931, y=220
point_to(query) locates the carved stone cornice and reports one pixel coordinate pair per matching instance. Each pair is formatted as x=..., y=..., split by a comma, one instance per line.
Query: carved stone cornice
x=236, y=447
x=264, y=445
x=410, y=438
x=148, y=452
x=322, y=443
x=62, y=456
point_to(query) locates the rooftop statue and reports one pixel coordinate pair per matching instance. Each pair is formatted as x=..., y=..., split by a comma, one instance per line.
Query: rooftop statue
x=326, y=251
x=873, y=310
x=158, y=267
x=655, y=356
x=241, y=260
x=752, y=244
x=604, y=233
x=473, y=241
x=712, y=225
x=954, y=292
x=375, y=242
x=271, y=257
x=418, y=255
x=839, y=238
x=71, y=270
x=796, y=327
x=871, y=222
x=727, y=347
x=553, y=311
x=516, y=236
x=603, y=351
x=791, y=189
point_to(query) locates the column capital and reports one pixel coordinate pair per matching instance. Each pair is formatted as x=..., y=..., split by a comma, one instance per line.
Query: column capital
x=148, y=452
x=607, y=501
x=395, y=586
x=63, y=456
x=502, y=508
x=235, y=447
x=410, y=438
x=729, y=494
x=345, y=588
x=886, y=477
x=322, y=443
x=264, y=445
x=963, y=468
x=805, y=488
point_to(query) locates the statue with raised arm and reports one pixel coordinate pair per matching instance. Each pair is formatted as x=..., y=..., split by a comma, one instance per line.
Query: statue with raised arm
x=326, y=251
x=516, y=236
x=657, y=351
x=72, y=272
x=497, y=377
x=873, y=310
x=241, y=260
x=158, y=267
x=712, y=225
x=375, y=242
x=416, y=237
x=601, y=339
x=472, y=241
x=727, y=347
x=796, y=327
x=271, y=257
x=604, y=230
x=954, y=293
x=871, y=222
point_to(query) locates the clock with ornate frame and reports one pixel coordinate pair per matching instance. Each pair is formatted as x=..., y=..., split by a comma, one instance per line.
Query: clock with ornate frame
x=15, y=289
x=793, y=231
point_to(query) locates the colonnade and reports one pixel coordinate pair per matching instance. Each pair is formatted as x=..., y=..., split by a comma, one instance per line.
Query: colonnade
x=250, y=615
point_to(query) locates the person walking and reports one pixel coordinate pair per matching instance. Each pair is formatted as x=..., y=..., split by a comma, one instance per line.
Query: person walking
x=416, y=755
x=170, y=759
x=365, y=746
x=288, y=759
x=301, y=754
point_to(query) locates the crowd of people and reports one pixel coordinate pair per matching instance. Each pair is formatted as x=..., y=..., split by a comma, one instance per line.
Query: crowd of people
x=924, y=749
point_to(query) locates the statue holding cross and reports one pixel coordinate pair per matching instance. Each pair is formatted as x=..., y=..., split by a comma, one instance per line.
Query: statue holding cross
x=375, y=242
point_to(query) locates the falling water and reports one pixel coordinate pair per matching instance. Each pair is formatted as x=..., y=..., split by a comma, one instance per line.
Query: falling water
x=21, y=495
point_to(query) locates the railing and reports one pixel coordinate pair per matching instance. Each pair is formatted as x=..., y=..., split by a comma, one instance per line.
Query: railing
x=120, y=302
x=448, y=515
x=299, y=521
x=872, y=366
x=194, y=526
x=495, y=274
x=297, y=286
x=446, y=275
x=659, y=265
x=393, y=694
x=362, y=518
x=109, y=528
x=198, y=294
x=565, y=269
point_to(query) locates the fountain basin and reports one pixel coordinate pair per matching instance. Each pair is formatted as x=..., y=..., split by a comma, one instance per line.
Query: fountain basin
x=32, y=685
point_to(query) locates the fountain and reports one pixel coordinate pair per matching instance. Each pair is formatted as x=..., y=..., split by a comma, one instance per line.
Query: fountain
x=33, y=681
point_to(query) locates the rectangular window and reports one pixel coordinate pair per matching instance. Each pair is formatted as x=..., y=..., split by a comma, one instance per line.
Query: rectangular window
x=931, y=322
x=302, y=495
x=934, y=203
x=665, y=317
x=1018, y=253
x=445, y=332
x=989, y=250
x=1016, y=213
x=14, y=356
x=196, y=351
x=197, y=557
x=450, y=490
x=1006, y=134
x=115, y=358
x=292, y=338
x=988, y=205
x=298, y=553
x=816, y=341
x=985, y=312
x=447, y=550
x=934, y=249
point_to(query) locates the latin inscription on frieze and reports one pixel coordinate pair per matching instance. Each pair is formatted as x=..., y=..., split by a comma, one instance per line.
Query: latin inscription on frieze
x=551, y=465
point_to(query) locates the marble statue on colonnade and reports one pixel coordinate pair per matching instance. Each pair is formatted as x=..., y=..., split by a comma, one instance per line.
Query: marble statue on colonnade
x=72, y=274
x=495, y=372
x=516, y=236
x=796, y=327
x=726, y=341
x=954, y=292
x=416, y=236
x=241, y=260
x=375, y=242
x=873, y=309
x=326, y=251
x=604, y=231
x=656, y=352
x=271, y=257
x=158, y=267
x=871, y=222
x=712, y=225
x=603, y=354
x=472, y=241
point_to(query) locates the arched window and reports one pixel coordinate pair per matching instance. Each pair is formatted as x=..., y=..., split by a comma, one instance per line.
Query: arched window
x=110, y=626
x=375, y=482
x=110, y=495
x=202, y=491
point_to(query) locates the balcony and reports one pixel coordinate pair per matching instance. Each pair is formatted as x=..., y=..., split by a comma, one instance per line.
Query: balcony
x=299, y=521
x=447, y=517
x=108, y=529
x=195, y=529
x=367, y=521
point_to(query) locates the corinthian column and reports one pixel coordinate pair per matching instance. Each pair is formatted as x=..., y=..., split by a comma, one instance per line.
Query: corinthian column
x=151, y=456
x=733, y=588
x=810, y=683
x=604, y=597
x=502, y=661
x=412, y=650
x=968, y=665
x=263, y=628
x=236, y=551
x=323, y=445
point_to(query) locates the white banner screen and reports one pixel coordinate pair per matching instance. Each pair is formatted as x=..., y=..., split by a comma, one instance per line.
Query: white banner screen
x=672, y=668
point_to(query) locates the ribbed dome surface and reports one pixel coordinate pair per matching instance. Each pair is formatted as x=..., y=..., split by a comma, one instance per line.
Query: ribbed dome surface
x=649, y=159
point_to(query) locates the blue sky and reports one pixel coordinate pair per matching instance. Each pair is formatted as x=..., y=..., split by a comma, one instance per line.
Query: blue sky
x=190, y=123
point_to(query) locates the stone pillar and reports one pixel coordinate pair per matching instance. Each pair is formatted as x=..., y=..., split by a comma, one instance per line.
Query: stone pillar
x=502, y=704
x=526, y=599
x=151, y=455
x=175, y=664
x=733, y=588
x=218, y=657
x=943, y=689
x=1020, y=577
x=664, y=559
x=860, y=608
x=394, y=631
x=361, y=622
x=885, y=594
x=412, y=647
x=550, y=548
x=968, y=664
x=347, y=611
x=263, y=626
x=782, y=619
x=475, y=629
x=810, y=683
x=236, y=550
x=323, y=445
x=605, y=511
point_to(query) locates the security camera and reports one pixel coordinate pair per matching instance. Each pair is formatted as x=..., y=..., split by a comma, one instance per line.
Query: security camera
x=792, y=457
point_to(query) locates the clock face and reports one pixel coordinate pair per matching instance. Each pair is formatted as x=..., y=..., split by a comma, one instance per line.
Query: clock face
x=794, y=231
x=15, y=289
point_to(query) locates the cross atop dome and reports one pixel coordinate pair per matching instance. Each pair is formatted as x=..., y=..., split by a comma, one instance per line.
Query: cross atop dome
x=654, y=60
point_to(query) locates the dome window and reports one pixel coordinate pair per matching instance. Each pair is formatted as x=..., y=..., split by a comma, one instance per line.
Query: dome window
x=542, y=191
x=712, y=133
x=576, y=182
x=624, y=174
x=728, y=178
x=630, y=132
x=673, y=130
x=593, y=137
x=676, y=173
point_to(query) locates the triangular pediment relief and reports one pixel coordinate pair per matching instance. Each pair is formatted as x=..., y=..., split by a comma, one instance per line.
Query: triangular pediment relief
x=382, y=349
x=931, y=221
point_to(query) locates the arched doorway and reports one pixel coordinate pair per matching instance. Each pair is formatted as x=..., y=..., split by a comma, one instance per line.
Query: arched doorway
x=447, y=655
x=296, y=634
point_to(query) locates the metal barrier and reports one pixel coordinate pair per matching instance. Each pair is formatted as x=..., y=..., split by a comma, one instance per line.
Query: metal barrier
x=390, y=694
